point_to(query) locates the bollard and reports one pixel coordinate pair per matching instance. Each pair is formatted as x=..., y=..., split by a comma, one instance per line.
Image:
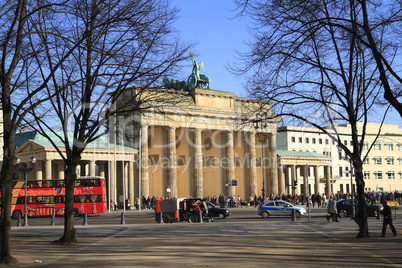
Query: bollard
x=85, y=219
x=26, y=219
x=19, y=220
x=122, y=218
x=201, y=217
x=52, y=220
x=293, y=215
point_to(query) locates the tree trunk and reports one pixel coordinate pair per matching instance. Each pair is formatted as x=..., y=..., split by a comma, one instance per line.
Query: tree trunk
x=363, y=226
x=69, y=236
x=5, y=227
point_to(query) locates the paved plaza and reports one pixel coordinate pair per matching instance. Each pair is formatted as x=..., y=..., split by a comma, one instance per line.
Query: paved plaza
x=260, y=243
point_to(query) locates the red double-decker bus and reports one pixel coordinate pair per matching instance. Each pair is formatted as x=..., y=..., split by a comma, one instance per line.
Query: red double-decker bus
x=47, y=197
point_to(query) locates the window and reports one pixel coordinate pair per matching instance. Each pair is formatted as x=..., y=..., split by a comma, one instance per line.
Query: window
x=326, y=141
x=400, y=147
x=313, y=140
x=389, y=146
x=400, y=175
x=378, y=175
x=300, y=140
x=400, y=160
x=366, y=175
x=390, y=160
x=365, y=146
x=293, y=139
x=377, y=160
x=345, y=142
x=340, y=171
x=377, y=146
x=347, y=172
x=320, y=141
x=366, y=161
x=391, y=175
x=307, y=140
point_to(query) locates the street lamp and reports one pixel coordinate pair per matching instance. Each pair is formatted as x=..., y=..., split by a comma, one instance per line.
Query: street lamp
x=261, y=122
x=25, y=171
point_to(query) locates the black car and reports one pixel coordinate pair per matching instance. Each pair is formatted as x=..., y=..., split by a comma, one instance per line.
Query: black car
x=345, y=208
x=215, y=212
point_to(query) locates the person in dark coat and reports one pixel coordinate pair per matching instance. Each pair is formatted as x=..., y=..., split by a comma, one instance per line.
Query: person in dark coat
x=332, y=211
x=387, y=219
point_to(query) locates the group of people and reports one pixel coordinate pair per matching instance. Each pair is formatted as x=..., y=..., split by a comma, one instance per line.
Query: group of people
x=387, y=215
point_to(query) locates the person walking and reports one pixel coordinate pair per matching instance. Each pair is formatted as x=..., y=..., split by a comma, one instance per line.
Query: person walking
x=128, y=204
x=387, y=219
x=137, y=203
x=318, y=199
x=324, y=200
x=332, y=211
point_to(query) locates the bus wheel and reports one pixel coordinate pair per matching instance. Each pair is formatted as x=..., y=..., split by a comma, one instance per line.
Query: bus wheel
x=75, y=212
x=17, y=214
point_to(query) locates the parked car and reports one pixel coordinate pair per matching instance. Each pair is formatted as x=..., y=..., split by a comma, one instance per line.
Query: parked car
x=279, y=208
x=345, y=208
x=215, y=212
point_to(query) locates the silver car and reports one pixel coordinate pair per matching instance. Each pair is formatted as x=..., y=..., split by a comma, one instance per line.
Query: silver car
x=279, y=208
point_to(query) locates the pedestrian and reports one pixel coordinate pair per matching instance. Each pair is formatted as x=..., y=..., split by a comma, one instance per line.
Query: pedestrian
x=137, y=203
x=221, y=201
x=387, y=219
x=324, y=200
x=318, y=200
x=128, y=204
x=143, y=202
x=332, y=211
x=312, y=199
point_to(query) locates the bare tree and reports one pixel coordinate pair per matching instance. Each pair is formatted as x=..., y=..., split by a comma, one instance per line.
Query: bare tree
x=20, y=48
x=314, y=71
x=128, y=47
x=381, y=24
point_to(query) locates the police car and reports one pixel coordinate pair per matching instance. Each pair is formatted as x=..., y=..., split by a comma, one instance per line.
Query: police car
x=279, y=208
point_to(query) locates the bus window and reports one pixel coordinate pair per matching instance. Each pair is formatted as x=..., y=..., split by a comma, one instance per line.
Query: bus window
x=30, y=199
x=45, y=199
x=60, y=199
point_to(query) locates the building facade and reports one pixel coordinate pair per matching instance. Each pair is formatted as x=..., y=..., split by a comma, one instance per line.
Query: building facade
x=382, y=151
x=202, y=146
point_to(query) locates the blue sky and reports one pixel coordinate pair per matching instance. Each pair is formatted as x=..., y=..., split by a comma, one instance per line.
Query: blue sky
x=208, y=24
x=217, y=35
